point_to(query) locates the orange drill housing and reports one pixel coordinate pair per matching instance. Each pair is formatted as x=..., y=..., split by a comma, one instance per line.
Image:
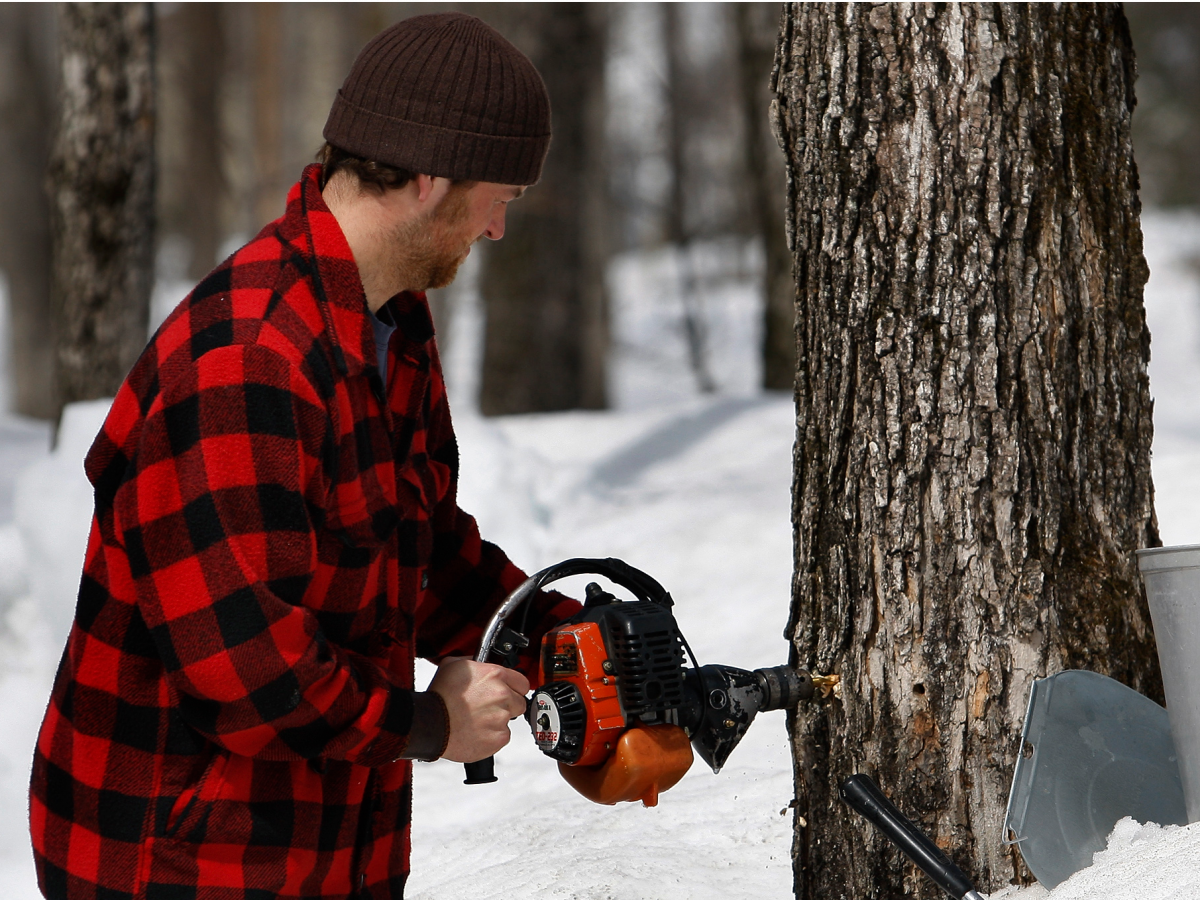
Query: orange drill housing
x=614, y=763
x=576, y=654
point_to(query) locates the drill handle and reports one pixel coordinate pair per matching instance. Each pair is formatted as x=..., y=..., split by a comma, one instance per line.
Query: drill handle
x=481, y=772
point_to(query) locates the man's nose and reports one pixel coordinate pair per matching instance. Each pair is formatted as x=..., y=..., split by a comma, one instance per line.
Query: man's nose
x=495, y=228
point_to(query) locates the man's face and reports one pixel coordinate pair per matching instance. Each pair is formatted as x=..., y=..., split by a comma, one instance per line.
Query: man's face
x=433, y=247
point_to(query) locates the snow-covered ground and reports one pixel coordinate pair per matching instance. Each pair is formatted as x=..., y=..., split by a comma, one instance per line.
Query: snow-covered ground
x=1146, y=861
x=693, y=489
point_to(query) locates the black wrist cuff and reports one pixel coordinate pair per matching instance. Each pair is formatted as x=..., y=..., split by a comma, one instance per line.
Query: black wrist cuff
x=430, y=731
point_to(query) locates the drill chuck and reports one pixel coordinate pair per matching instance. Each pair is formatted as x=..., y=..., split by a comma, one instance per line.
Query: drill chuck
x=784, y=687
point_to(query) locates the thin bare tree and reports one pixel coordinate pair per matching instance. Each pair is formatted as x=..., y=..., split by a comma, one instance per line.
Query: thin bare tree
x=27, y=109
x=191, y=65
x=757, y=27
x=678, y=232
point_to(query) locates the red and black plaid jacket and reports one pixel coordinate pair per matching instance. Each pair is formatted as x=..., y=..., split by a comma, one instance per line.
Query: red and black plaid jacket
x=273, y=543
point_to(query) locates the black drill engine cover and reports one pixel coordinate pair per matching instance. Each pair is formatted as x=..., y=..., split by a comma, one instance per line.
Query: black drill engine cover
x=645, y=649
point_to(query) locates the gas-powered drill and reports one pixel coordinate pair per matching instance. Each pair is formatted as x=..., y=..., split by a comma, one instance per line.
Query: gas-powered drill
x=616, y=704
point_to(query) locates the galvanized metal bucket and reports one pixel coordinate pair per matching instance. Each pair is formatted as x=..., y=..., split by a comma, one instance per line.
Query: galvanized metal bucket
x=1172, y=579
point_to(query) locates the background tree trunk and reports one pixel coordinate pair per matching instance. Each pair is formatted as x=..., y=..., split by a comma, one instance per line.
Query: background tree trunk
x=680, y=104
x=973, y=413
x=27, y=87
x=271, y=181
x=1166, y=129
x=102, y=196
x=546, y=333
x=192, y=184
x=757, y=27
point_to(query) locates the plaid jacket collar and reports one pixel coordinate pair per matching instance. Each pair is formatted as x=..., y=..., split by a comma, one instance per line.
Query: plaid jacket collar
x=311, y=229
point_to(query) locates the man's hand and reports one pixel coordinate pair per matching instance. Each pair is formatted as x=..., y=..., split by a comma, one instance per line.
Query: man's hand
x=480, y=700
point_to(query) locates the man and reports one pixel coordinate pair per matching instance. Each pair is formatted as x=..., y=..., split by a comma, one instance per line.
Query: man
x=276, y=533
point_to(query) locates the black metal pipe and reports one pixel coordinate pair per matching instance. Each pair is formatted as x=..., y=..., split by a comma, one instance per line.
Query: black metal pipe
x=865, y=797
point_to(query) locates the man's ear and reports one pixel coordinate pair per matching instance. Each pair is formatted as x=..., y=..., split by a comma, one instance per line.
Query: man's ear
x=426, y=187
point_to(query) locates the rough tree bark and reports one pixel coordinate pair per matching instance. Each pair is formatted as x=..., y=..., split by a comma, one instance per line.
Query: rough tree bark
x=546, y=334
x=102, y=196
x=972, y=464
x=27, y=71
x=757, y=25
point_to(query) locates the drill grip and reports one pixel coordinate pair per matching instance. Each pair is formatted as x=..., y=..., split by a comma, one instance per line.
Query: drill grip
x=481, y=772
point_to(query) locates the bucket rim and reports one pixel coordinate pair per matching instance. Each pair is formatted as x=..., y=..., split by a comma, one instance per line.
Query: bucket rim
x=1162, y=559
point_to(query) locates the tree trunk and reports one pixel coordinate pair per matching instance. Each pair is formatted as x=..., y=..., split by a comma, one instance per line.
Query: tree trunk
x=26, y=111
x=192, y=184
x=972, y=464
x=677, y=231
x=678, y=227
x=271, y=182
x=546, y=334
x=102, y=196
x=1166, y=129
x=757, y=25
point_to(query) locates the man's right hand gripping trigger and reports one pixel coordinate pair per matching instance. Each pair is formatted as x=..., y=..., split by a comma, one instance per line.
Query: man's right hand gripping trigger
x=481, y=699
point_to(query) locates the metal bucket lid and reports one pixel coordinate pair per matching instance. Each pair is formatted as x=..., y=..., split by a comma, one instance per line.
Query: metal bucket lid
x=1094, y=751
x=1164, y=559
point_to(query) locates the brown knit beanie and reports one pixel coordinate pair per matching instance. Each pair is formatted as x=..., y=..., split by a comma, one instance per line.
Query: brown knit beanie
x=444, y=95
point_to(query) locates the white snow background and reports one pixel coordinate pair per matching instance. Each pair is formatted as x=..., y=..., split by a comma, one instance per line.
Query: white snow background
x=693, y=489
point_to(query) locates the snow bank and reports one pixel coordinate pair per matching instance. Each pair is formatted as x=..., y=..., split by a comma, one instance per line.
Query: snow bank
x=27, y=653
x=1148, y=862
x=53, y=506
